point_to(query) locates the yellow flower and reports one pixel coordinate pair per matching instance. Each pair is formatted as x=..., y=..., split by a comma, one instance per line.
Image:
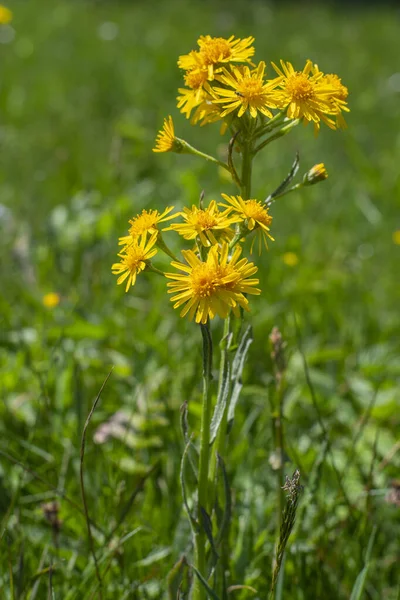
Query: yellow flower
x=396, y=237
x=194, y=94
x=134, y=259
x=216, y=51
x=338, y=95
x=5, y=15
x=207, y=112
x=212, y=287
x=249, y=91
x=166, y=140
x=254, y=214
x=209, y=224
x=146, y=222
x=315, y=174
x=290, y=259
x=52, y=299
x=307, y=94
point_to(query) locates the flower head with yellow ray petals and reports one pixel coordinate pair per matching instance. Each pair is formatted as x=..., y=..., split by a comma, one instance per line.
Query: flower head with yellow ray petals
x=254, y=214
x=166, y=140
x=246, y=91
x=194, y=94
x=214, y=286
x=134, y=259
x=215, y=51
x=209, y=224
x=307, y=94
x=146, y=222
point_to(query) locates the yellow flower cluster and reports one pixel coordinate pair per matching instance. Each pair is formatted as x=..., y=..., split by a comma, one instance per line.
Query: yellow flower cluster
x=221, y=81
x=214, y=278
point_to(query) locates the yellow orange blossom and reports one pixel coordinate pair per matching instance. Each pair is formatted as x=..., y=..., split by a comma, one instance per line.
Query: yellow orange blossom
x=5, y=15
x=315, y=174
x=209, y=224
x=215, y=51
x=254, y=214
x=307, y=95
x=166, y=140
x=134, y=259
x=213, y=287
x=290, y=259
x=51, y=300
x=247, y=91
x=194, y=94
x=146, y=222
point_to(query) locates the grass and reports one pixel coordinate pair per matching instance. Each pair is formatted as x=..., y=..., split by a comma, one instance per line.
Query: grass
x=84, y=87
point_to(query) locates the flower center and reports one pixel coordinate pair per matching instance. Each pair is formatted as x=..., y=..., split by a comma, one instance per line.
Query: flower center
x=204, y=281
x=300, y=87
x=255, y=211
x=250, y=88
x=135, y=257
x=205, y=220
x=195, y=79
x=215, y=50
x=143, y=223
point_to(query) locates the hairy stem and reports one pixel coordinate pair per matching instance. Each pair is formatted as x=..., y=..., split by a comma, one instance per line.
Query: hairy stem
x=203, y=492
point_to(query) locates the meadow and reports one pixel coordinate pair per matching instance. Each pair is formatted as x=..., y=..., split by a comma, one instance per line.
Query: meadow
x=84, y=88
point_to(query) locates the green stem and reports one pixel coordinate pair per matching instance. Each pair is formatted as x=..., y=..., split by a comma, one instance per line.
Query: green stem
x=277, y=135
x=279, y=449
x=200, y=536
x=247, y=158
x=188, y=149
x=268, y=127
x=221, y=435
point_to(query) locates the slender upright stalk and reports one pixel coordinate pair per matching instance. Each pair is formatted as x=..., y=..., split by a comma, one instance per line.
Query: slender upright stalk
x=279, y=447
x=247, y=159
x=219, y=446
x=200, y=536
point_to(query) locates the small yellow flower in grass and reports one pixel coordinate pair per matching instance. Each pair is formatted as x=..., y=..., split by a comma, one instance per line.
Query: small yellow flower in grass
x=249, y=91
x=254, y=214
x=213, y=287
x=315, y=174
x=51, y=300
x=290, y=259
x=134, y=259
x=215, y=51
x=146, y=222
x=166, y=140
x=308, y=95
x=5, y=15
x=209, y=224
x=396, y=237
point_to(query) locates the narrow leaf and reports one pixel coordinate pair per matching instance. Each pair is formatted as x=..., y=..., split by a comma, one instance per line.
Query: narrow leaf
x=222, y=399
x=226, y=516
x=290, y=176
x=237, y=370
x=361, y=580
x=204, y=583
x=207, y=526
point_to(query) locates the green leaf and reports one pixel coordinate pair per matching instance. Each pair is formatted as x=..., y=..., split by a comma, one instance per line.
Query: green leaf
x=237, y=370
x=204, y=583
x=222, y=399
x=289, y=177
x=360, y=582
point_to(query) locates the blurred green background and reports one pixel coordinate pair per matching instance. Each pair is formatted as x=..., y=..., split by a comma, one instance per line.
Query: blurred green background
x=84, y=87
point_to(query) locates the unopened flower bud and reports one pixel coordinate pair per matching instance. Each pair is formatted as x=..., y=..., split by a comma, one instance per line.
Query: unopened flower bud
x=315, y=174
